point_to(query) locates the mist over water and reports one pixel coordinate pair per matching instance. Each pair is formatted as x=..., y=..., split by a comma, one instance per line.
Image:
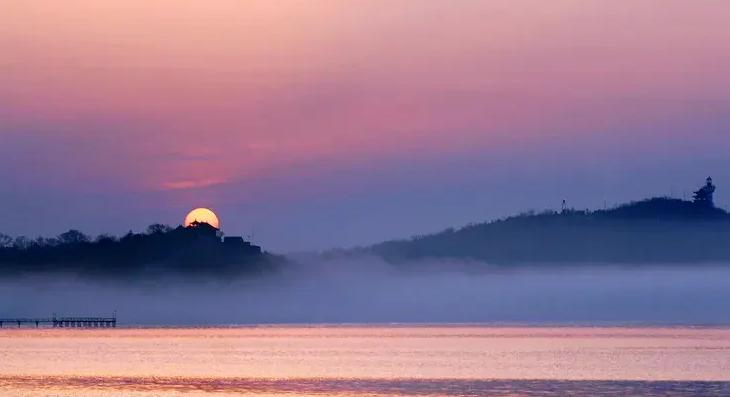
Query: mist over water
x=366, y=289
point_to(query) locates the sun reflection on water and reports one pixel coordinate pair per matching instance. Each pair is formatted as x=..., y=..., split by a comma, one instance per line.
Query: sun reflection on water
x=365, y=360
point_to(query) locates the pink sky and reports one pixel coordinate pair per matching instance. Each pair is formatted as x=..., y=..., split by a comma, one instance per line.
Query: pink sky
x=286, y=114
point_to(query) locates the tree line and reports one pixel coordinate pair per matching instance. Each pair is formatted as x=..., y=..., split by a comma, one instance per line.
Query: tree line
x=160, y=249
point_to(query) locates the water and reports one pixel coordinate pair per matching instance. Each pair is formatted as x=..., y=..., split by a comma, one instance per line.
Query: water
x=366, y=361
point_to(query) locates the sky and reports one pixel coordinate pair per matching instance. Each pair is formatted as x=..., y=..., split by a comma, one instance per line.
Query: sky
x=312, y=124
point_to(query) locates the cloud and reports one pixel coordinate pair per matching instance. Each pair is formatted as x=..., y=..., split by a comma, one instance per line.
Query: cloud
x=192, y=184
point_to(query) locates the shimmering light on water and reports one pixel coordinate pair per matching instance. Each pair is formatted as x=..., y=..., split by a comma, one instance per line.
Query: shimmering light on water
x=367, y=360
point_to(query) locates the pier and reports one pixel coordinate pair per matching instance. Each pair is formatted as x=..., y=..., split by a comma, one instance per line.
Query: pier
x=64, y=322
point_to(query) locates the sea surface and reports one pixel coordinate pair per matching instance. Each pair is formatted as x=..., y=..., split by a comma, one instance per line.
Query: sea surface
x=366, y=361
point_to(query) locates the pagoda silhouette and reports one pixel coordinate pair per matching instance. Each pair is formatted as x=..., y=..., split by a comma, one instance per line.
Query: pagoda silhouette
x=704, y=196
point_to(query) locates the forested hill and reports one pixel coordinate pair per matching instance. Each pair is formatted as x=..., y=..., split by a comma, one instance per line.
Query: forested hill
x=658, y=230
x=193, y=251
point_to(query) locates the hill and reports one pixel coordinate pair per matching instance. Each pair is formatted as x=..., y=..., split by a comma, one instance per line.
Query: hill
x=657, y=230
x=162, y=250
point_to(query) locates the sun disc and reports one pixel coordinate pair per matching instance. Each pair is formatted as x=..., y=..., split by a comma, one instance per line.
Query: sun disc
x=202, y=215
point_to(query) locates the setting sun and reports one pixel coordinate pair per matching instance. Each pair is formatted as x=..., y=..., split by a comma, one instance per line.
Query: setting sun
x=202, y=215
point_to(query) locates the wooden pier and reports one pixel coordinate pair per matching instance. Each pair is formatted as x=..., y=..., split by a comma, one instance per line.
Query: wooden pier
x=64, y=322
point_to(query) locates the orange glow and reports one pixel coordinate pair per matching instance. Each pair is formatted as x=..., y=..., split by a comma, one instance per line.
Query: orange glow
x=202, y=215
x=281, y=85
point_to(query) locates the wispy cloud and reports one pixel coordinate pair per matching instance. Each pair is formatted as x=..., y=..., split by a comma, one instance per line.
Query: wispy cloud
x=192, y=184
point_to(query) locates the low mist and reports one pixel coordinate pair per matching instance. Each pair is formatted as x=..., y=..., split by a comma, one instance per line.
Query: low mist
x=366, y=289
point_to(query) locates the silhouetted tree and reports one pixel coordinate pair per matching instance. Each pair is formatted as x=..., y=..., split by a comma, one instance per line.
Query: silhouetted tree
x=21, y=242
x=105, y=238
x=73, y=237
x=5, y=241
x=160, y=250
x=45, y=242
x=158, y=228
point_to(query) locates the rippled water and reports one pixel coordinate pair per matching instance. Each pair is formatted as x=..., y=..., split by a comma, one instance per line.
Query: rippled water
x=366, y=361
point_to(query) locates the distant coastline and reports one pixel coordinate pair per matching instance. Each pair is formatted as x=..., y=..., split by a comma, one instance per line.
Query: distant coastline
x=657, y=230
x=660, y=230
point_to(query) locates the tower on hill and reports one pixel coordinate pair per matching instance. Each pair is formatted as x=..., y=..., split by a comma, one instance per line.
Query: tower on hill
x=704, y=195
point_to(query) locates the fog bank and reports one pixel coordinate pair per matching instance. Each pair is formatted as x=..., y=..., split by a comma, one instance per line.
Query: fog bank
x=366, y=289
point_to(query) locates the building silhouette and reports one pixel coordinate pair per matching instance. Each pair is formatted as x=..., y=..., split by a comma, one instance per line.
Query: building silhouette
x=704, y=196
x=231, y=244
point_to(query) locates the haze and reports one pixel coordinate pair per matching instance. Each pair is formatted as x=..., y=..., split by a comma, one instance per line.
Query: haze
x=366, y=290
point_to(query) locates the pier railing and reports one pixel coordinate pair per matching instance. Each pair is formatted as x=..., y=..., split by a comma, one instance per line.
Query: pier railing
x=64, y=322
